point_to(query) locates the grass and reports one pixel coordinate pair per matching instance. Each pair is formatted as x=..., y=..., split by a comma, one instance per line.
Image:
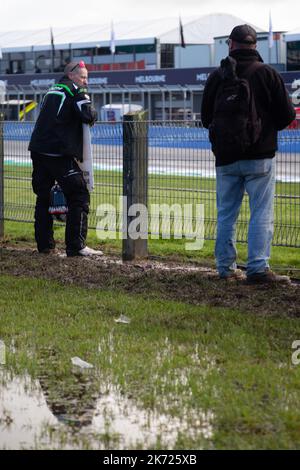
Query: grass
x=204, y=366
x=218, y=377
x=282, y=259
x=19, y=200
x=224, y=374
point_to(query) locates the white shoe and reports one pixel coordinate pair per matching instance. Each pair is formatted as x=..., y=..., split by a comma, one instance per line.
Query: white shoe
x=89, y=252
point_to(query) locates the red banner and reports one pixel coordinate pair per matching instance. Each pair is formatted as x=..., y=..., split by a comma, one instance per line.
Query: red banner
x=137, y=65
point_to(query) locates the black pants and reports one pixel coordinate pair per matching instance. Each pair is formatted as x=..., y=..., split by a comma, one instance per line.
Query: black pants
x=64, y=170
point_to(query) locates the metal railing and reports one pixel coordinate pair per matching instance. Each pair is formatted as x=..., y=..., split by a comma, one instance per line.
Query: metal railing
x=181, y=170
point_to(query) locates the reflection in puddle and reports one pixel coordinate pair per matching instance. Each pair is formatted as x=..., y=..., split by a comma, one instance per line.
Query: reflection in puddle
x=80, y=413
x=134, y=425
x=23, y=411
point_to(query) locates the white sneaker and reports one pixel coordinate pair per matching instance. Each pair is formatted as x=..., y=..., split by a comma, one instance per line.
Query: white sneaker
x=89, y=252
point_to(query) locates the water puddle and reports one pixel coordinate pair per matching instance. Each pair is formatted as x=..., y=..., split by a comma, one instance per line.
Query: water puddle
x=23, y=411
x=91, y=412
x=136, y=426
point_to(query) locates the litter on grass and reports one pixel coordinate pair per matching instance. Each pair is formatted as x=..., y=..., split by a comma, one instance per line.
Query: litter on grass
x=123, y=319
x=76, y=361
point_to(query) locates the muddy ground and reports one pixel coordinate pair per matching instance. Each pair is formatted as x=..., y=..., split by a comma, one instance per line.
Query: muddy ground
x=162, y=279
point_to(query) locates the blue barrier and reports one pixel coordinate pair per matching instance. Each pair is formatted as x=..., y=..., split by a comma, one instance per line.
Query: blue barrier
x=159, y=136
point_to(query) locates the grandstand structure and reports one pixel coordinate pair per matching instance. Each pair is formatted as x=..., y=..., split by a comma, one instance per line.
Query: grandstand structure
x=149, y=66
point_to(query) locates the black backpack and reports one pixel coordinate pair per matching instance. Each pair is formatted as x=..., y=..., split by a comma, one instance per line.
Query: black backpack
x=235, y=125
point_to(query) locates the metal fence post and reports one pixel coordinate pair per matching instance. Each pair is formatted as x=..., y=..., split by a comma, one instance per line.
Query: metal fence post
x=135, y=186
x=1, y=176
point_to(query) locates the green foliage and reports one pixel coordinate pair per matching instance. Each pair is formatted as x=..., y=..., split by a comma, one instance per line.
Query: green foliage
x=226, y=375
x=162, y=189
x=282, y=258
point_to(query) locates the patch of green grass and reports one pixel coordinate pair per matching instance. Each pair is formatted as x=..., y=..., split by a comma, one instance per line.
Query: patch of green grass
x=180, y=360
x=162, y=189
x=282, y=258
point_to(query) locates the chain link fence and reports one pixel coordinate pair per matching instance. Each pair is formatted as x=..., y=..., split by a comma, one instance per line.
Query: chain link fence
x=180, y=171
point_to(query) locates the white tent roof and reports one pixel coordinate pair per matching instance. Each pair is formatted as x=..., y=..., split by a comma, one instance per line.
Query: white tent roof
x=204, y=29
x=293, y=35
x=200, y=30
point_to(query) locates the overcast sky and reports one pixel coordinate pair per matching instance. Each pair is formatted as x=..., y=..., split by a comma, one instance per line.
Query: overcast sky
x=28, y=14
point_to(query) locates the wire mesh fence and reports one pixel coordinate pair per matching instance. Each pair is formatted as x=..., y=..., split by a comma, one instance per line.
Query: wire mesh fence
x=181, y=172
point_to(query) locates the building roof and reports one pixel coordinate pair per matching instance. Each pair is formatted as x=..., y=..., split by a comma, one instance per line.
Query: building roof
x=199, y=30
x=293, y=35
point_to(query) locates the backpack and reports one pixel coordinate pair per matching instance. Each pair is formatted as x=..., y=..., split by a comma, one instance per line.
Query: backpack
x=235, y=125
x=58, y=205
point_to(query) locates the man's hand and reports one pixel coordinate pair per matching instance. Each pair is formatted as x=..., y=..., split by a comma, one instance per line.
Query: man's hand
x=94, y=117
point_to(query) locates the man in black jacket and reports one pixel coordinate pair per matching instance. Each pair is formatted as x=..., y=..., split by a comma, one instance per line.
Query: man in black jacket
x=56, y=143
x=252, y=170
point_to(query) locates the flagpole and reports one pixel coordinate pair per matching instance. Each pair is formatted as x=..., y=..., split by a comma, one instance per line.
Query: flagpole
x=52, y=50
x=270, y=38
x=180, y=57
x=180, y=40
x=112, y=43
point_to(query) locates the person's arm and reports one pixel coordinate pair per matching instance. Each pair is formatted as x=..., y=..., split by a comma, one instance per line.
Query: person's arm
x=208, y=99
x=282, y=108
x=84, y=108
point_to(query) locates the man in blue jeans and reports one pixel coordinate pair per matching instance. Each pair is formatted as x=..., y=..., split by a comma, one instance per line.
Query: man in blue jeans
x=251, y=170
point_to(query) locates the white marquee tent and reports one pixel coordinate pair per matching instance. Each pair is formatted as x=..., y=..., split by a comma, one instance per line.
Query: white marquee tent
x=201, y=30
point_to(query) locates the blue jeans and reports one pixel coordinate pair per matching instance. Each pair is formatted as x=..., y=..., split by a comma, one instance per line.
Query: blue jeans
x=257, y=177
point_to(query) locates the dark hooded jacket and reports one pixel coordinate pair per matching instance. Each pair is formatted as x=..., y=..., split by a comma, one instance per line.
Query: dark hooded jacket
x=58, y=130
x=272, y=103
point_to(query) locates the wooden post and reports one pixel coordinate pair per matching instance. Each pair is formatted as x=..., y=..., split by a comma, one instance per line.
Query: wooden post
x=1, y=176
x=135, y=186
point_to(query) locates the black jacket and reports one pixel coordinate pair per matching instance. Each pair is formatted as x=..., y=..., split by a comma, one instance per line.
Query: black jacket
x=58, y=129
x=272, y=103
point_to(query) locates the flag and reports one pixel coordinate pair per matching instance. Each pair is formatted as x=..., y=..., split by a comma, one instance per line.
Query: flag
x=271, y=39
x=52, y=39
x=182, y=41
x=112, y=39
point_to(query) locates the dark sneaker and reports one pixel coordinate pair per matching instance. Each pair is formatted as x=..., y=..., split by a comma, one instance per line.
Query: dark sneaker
x=48, y=251
x=234, y=275
x=268, y=277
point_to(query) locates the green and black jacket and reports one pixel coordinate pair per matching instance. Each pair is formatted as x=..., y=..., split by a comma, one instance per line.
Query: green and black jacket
x=58, y=130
